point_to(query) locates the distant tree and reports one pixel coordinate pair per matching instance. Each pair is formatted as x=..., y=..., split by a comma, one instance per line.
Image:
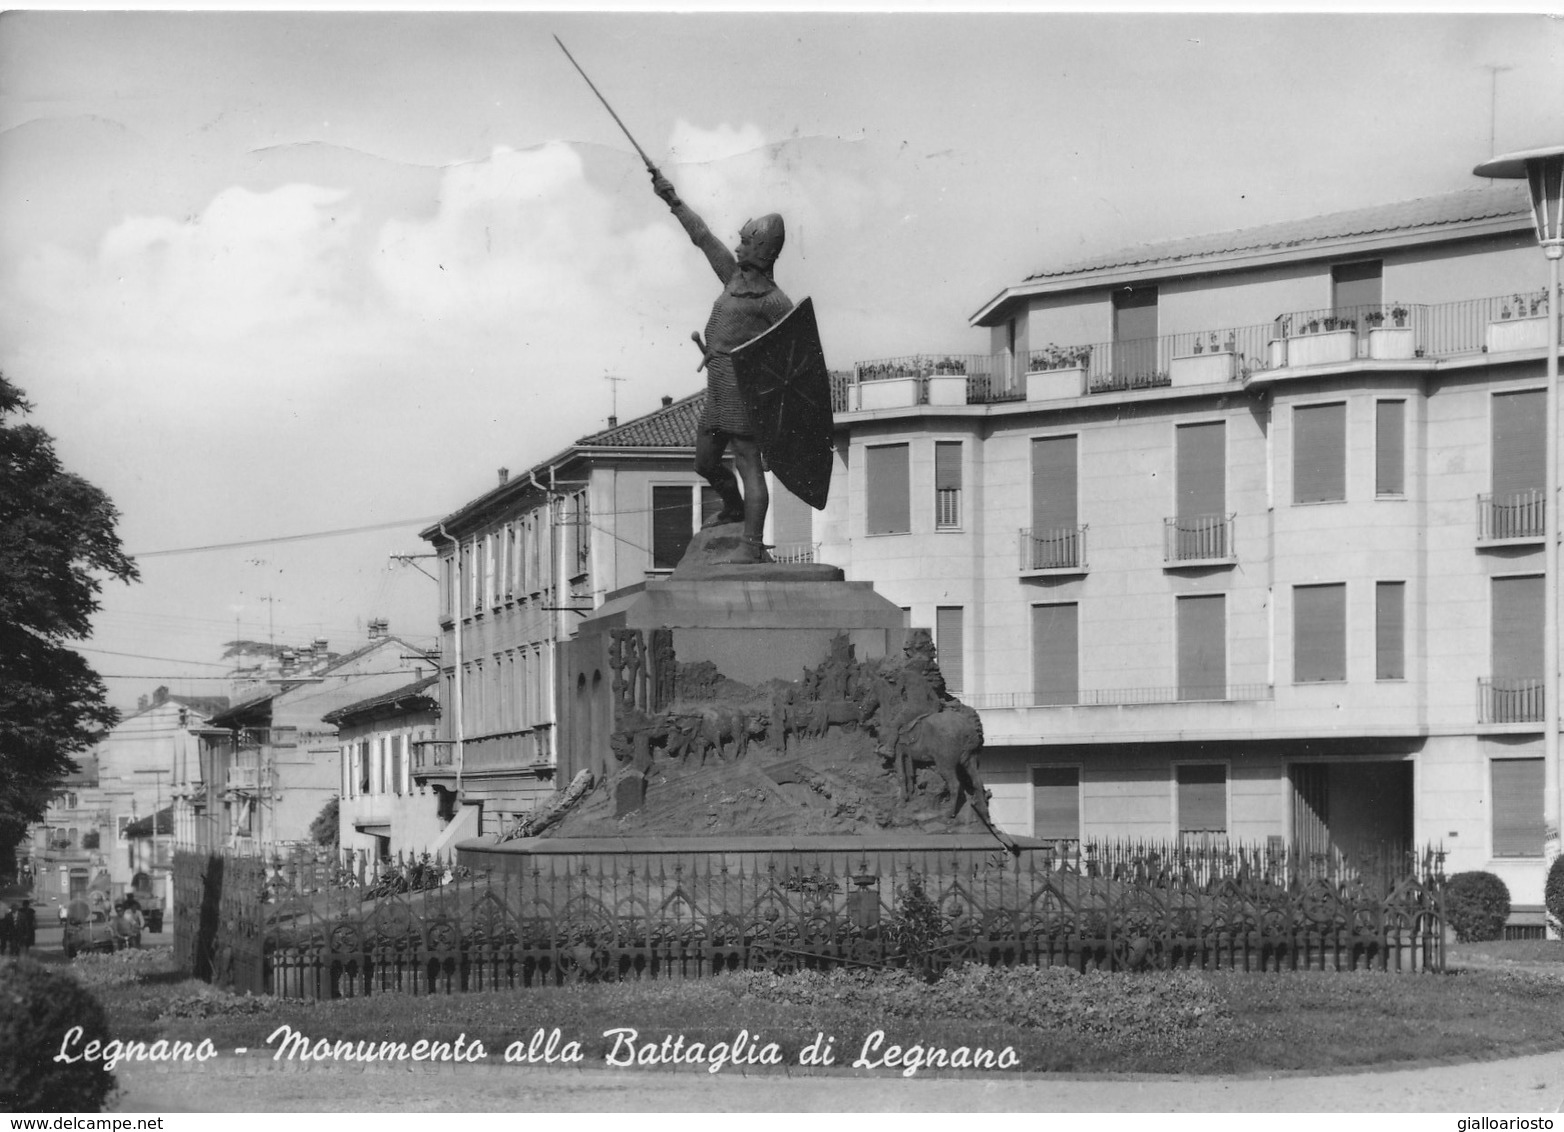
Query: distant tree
x=324, y=828
x=57, y=544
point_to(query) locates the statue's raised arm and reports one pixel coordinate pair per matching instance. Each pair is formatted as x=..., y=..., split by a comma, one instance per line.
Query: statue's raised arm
x=716, y=252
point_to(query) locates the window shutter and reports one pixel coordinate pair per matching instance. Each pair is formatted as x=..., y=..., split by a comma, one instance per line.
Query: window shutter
x=1053, y=484
x=672, y=525
x=1319, y=457
x=1055, y=665
x=889, y=510
x=1202, y=469
x=1519, y=444
x=1517, y=630
x=1056, y=803
x=1319, y=626
x=1390, y=631
x=790, y=518
x=1357, y=288
x=947, y=483
x=1518, y=827
x=1202, y=799
x=1390, y=448
x=948, y=643
x=1202, y=647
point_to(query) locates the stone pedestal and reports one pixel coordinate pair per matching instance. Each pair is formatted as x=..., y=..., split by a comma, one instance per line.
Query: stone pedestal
x=708, y=623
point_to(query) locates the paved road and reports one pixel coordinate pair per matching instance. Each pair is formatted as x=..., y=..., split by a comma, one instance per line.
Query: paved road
x=1518, y=1085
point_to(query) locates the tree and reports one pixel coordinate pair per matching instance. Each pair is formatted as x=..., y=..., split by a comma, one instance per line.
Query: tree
x=57, y=544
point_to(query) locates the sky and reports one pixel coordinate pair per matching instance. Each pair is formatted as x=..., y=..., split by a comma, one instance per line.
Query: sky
x=268, y=275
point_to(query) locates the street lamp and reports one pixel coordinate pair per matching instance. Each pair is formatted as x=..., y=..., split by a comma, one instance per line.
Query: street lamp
x=1543, y=170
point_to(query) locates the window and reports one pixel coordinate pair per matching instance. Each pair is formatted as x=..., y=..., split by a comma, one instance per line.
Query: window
x=363, y=767
x=1135, y=335
x=1516, y=630
x=1390, y=476
x=508, y=570
x=947, y=485
x=1390, y=651
x=448, y=578
x=1055, y=537
x=1319, y=633
x=1519, y=464
x=1201, y=472
x=1056, y=803
x=396, y=764
x=948, y=643
x=1202, y=647
x=581, y=547
x=1518, y=825
x=491, y=576
x=673, y=524
x=1356, y=288
x=888, y=501
x=1319, y=453
x=1202, y=798
x=1055, y=656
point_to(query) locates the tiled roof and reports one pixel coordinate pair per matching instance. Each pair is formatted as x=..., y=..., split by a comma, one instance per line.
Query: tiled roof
x=672, y=426
x=1499, y=201
x=385, y=699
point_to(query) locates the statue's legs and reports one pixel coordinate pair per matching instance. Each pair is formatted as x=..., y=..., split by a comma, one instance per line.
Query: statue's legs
x=709, y=447
x=746, y=454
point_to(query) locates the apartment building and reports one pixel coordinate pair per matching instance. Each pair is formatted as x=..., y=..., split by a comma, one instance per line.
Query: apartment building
x=1239, y=535
x=383, y=809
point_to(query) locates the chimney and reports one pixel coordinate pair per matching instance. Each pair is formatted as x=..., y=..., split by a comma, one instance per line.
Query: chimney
x=378, y=628
x=504, y=474
x=320, y=645
x=667, y=400
x=160, y=696
x=141, y=703
x=613, y=422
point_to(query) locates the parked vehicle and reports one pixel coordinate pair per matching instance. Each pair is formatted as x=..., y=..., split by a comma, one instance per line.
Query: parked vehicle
x=89, y=928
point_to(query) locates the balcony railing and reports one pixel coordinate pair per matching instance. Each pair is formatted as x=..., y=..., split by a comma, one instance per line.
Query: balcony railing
x=243, y=777
x=430, y=755
x=1522, y=514
x=1118, y=697
x=1189, y=538
x=1423, y=330
x=1057, y=548
x=1510, y=701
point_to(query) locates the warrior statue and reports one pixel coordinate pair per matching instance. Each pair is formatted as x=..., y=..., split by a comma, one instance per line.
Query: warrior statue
x=750, y=303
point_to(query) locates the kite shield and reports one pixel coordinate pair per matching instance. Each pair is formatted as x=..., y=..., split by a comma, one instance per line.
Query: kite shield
x=782, y=377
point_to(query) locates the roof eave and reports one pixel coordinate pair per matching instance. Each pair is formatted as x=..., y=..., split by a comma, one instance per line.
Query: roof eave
x=998, y=308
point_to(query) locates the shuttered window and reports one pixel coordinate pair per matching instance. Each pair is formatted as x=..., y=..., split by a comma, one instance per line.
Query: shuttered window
x=1319, y=633
x=791, y=525
x=1135, y=334
x=1056, y=803
x=1357, y=288
x=1517, y=630
x=947, y=484
x=1202, y=469
x=672, y=525
x=1518, y=826
x=948, y=624
x=1390, y=477
x=1055, y=665
x=1390, y=650
x=1202, y=798
x=1053, y=484
x=889, y=511
x=1202, y=647
x=1319, y=453
x=1519, y=445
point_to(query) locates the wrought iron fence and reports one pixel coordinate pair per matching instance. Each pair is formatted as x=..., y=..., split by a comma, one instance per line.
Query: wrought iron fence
x=1097, y=905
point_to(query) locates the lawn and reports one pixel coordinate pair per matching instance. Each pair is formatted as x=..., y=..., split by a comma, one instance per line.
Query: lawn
x=1054, y=1020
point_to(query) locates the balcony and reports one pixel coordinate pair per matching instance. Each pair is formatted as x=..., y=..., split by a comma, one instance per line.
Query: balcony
x=1120, y=697
x=243, y=778
x=1197, y=540
x=1517, y=517
x=795, y=552
x=1057, y=550
x=1510, y=701
x=1387, y=333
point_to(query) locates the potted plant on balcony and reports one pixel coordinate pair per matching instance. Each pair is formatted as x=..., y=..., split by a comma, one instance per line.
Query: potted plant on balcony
x=1393, y=342
x=1207, y=365
x=892, y=384
x=948, y=383
x=1326, y=339
x=1057, y=371
x=1526, y=330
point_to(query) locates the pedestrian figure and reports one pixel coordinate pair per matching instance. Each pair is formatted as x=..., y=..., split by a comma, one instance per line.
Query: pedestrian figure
x=7, y=929
x=25, y=931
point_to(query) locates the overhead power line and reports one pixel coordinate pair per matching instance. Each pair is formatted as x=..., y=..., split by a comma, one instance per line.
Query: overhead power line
x=287, y=538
